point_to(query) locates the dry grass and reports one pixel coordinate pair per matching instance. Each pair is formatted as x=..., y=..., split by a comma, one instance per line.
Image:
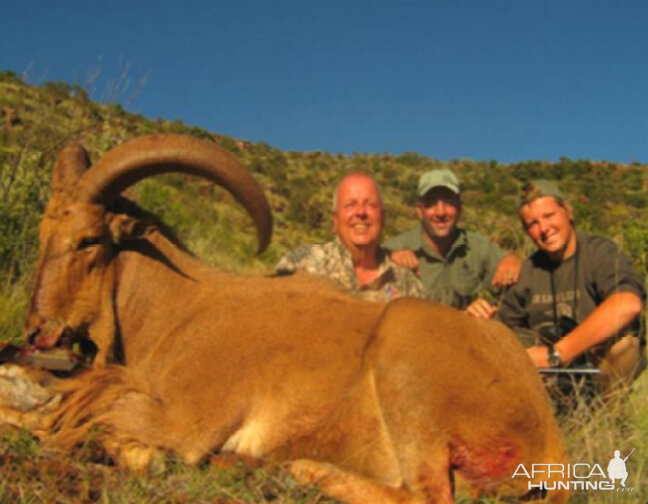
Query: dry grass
x=14, y=297
x=593, y=435
x=29, y=474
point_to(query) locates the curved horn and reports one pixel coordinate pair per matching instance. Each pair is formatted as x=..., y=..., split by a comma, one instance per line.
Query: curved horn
x=149, y=155
x=71, y=163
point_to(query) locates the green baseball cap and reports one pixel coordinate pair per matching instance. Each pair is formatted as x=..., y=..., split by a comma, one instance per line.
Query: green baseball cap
x=538, y=189
x=438, y=178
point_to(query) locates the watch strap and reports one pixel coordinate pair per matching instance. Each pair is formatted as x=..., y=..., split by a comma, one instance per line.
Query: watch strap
x=553, y=357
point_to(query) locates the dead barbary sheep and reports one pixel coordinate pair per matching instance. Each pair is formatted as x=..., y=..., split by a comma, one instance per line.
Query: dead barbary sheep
x=373, y=403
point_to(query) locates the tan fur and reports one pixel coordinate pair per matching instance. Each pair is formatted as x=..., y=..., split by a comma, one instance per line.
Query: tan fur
x=373, y=404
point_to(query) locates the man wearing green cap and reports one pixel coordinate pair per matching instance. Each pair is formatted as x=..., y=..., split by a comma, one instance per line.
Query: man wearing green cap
x=578, y=292
x=453, y=264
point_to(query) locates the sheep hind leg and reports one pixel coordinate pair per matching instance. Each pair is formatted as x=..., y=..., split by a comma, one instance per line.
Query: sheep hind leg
x=349, y=487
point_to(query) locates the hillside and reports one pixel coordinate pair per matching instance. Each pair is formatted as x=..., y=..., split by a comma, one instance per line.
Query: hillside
x=36, y=122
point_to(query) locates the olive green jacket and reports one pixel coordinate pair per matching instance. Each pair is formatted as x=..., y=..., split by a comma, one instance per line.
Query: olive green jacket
x=458, y=278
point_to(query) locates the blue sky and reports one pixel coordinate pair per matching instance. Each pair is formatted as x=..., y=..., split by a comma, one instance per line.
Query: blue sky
x=508, y=80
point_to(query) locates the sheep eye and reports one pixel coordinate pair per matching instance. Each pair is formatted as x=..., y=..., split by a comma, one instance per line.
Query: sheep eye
x=89, y=241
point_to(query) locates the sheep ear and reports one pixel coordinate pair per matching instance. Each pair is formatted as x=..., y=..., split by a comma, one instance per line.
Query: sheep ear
x=122, y=227
x=71, y=163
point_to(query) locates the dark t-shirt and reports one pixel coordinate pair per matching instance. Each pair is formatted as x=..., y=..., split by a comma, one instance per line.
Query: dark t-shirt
x=597, y=270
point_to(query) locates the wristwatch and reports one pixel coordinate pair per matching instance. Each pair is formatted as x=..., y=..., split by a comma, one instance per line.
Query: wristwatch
x=553, y=357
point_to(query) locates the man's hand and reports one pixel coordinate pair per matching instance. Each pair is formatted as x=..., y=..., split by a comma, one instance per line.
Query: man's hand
x=539, y=355
x=481, y=308
x=607, y=319
x=507, y=271
x=406, y=259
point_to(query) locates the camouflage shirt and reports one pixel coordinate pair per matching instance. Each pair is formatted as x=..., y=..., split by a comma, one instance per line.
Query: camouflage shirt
x=334, y=261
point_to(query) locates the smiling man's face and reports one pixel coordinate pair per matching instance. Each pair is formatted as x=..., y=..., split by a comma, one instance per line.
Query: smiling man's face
x=439, y=211
x=549, y=225
x=358, y=215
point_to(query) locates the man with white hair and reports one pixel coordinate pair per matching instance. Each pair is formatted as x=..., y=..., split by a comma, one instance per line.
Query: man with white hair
x=355, y=260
